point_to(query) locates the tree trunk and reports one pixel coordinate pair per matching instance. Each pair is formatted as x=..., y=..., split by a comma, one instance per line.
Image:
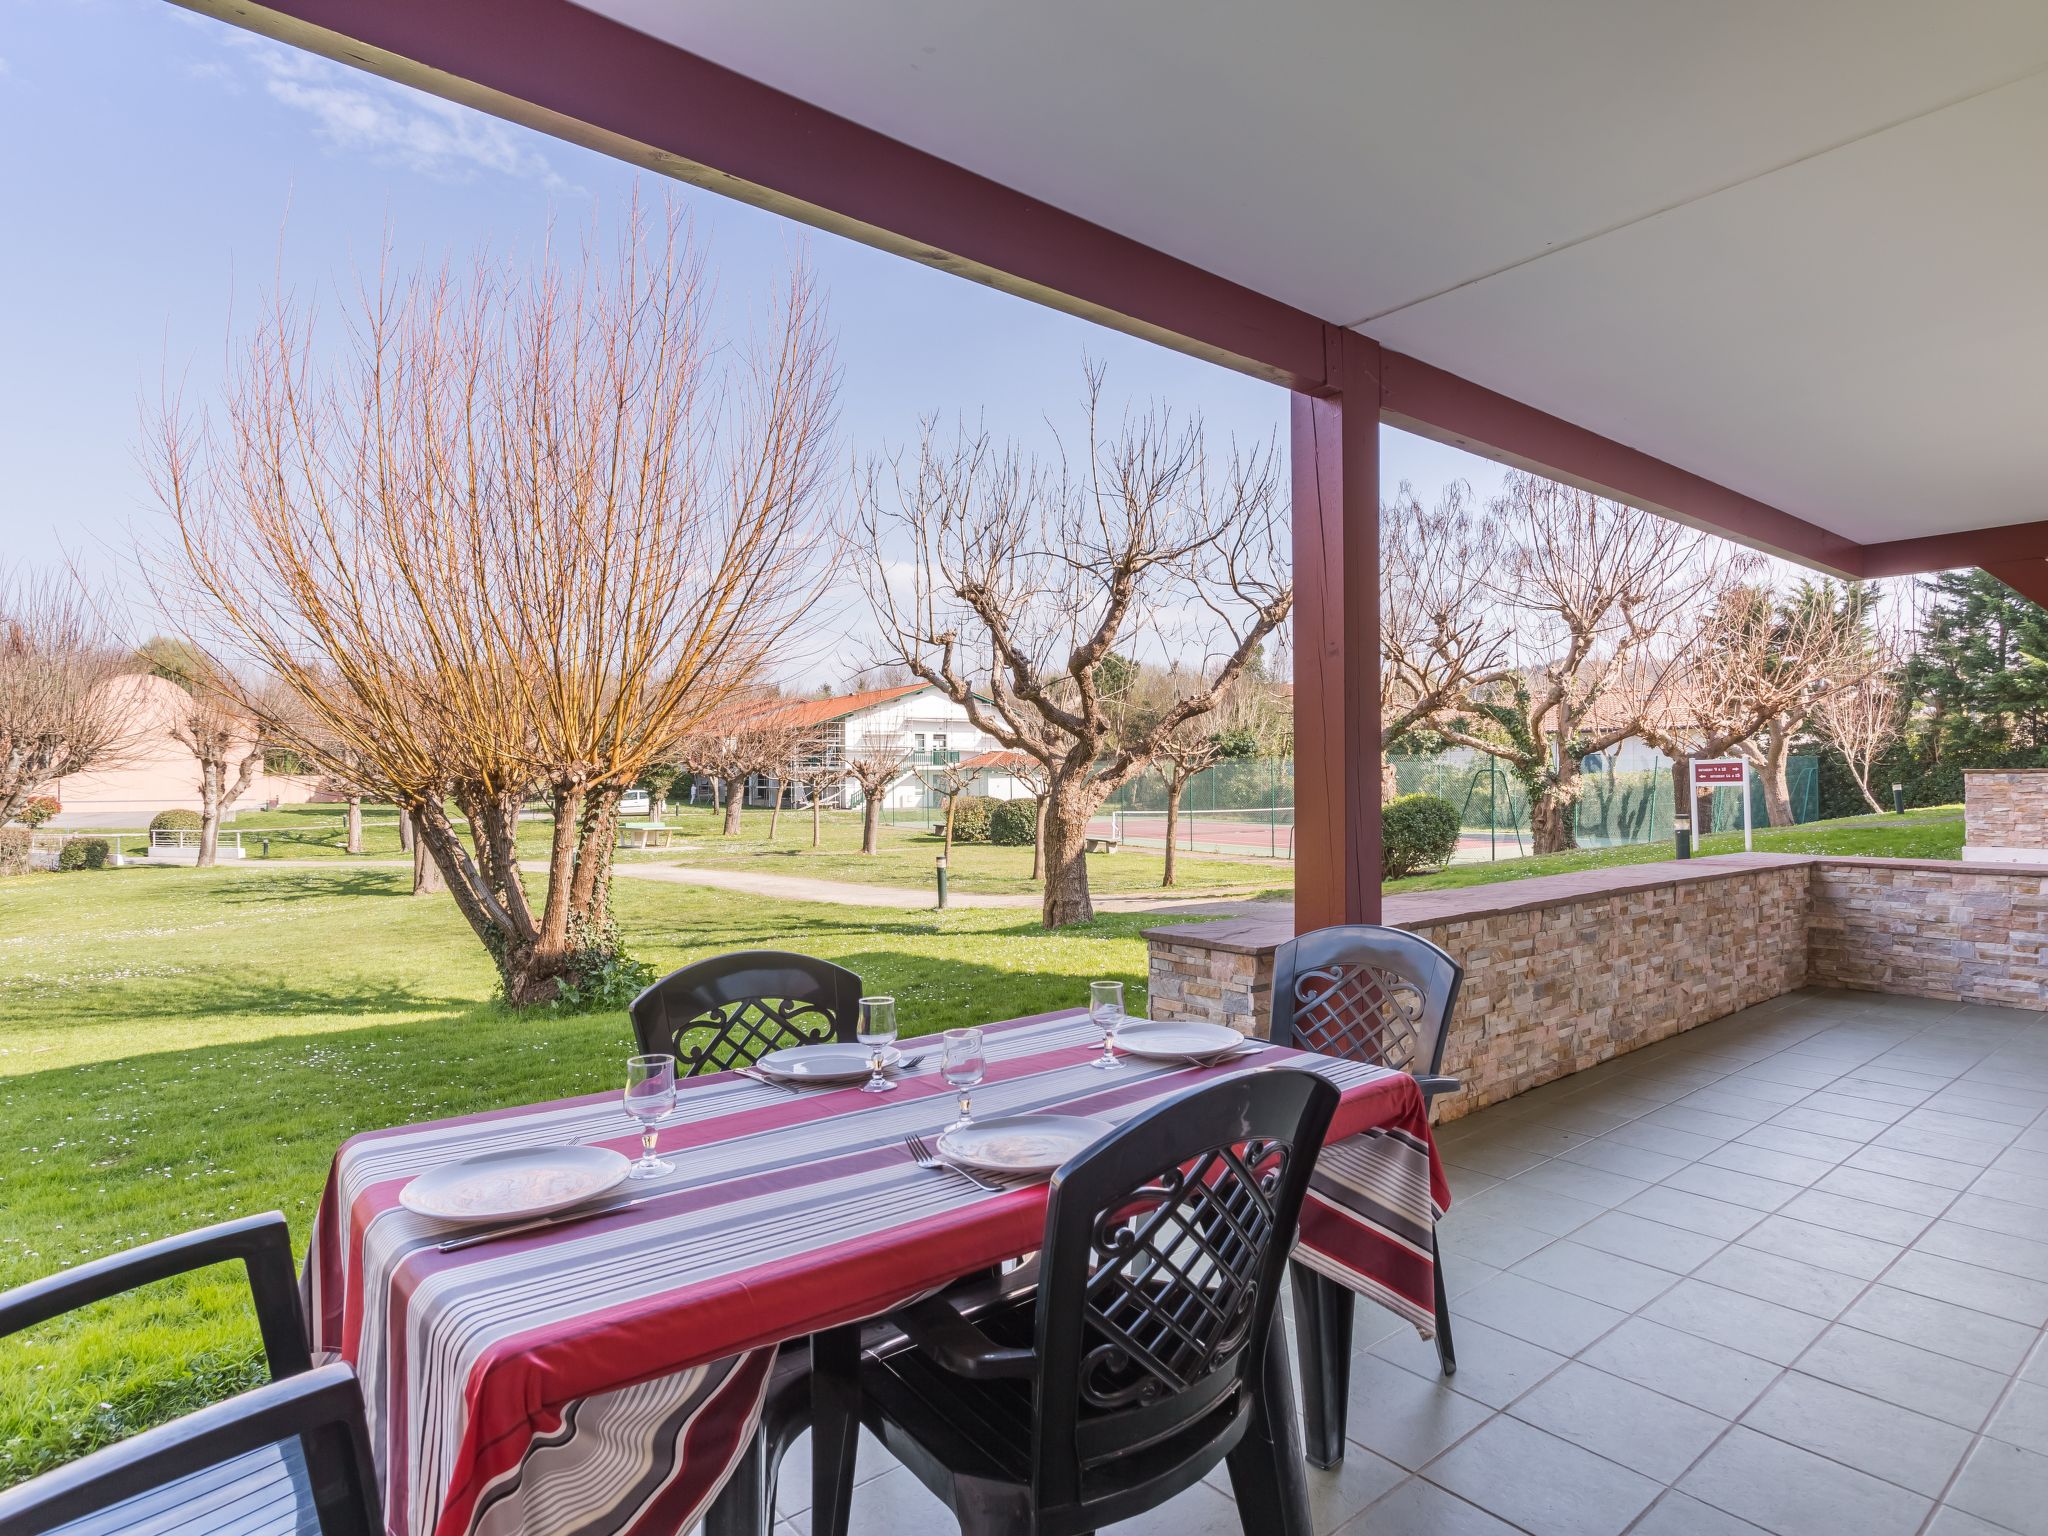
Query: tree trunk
x=1038, y=837
x=817, y=817
x=427, y=879
x=355, y=824
x=1862, y=778
x=407, y=843
x=1681, y=782
x=871, y=824
x=1776, y=779
x=951, y=801
x=735, y=795
x=209, y=816
x=1066, y=860
x=1551, y=817
x=1174, y=785
x=774, y=807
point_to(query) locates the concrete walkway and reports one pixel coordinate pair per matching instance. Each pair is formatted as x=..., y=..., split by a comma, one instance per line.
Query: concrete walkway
x=847, y=893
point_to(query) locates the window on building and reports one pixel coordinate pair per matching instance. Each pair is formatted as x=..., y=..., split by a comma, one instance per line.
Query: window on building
x=919, y=739
x=939, y=742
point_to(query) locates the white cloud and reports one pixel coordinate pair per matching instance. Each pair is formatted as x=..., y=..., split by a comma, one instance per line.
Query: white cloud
x=364, y=115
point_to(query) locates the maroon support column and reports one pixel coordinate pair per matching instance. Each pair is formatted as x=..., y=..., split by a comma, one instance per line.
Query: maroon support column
x=1336, y=451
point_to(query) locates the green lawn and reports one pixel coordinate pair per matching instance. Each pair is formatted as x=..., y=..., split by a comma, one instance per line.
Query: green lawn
x=1933, y=833
x=181, y=1046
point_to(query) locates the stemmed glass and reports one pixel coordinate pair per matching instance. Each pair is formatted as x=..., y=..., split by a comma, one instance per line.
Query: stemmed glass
x=1106, y=1010
x=876, y=1030
x=964, y=1063
x=650, y=1099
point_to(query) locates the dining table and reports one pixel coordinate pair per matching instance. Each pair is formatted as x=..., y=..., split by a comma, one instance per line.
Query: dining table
x=605, y=1374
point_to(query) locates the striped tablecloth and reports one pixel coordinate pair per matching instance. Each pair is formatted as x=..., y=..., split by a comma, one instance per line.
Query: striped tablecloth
x=604, y=1376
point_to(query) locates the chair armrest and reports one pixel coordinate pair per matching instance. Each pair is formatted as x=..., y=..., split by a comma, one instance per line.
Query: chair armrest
x=262, y=1243
x=1432, y=1086
x=324, y=1407
x=941, y=1332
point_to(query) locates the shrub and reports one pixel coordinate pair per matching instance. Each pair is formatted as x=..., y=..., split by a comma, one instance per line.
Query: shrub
x=84, y=853
x=174, y=821
x=1013, y=823
x=40, y=808
x=971, y=815
x=1417, y=832
x=14, y=851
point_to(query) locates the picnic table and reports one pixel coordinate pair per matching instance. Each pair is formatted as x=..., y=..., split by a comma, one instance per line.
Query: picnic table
x=608, y=1373
x=645, y=834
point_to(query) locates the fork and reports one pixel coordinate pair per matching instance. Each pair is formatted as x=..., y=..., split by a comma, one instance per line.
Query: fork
x=922, y=1155
x=1248, y=1048
x=763, y=1078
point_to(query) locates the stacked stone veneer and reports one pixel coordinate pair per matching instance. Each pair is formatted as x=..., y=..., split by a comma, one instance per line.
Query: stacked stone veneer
x=1564, y=972
x=2005, y=815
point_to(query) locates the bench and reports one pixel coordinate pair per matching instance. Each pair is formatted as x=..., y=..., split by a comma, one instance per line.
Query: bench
x=644, y=834
x=1102, y=845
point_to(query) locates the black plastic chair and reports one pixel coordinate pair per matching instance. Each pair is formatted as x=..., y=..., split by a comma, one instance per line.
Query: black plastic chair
x=292, y=1455
x=751, y=1002
x=1144, y=1356
x=1374, y=994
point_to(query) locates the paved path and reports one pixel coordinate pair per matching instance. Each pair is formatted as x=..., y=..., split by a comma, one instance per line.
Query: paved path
x=848, y=893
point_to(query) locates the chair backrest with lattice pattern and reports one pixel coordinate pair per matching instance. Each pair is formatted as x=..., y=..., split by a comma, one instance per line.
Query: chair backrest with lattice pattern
x=1366, y=993
x=728, y=1011
x=1163, y=1253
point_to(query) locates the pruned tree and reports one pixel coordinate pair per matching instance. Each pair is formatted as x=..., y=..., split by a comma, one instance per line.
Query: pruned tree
x=1023, y=578
x=1589, y=586
x=746, y=741
x=61, y=711
x=949, y=778
x=512, y=536
x=815, y=768
x=1444, y=633
x=1197, y=744
x=222, y=737
x=1866, y=715
x=876, y=764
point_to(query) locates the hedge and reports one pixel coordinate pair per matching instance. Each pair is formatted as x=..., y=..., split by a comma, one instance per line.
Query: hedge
x=971, y=815
x=84, y=853
x=174, y=821
x=1417, y=832
x=1013, y=823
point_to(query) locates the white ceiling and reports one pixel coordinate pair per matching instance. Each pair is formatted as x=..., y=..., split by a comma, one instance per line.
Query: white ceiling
x=1801, y=249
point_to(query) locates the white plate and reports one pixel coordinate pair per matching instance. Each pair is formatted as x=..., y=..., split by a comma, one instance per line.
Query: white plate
x=828, y=1063
x=1022, y=1143
x=500, y=1186
x=1178, y=1042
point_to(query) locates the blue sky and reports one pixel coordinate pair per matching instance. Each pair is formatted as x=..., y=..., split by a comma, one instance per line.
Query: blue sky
x=161, y=171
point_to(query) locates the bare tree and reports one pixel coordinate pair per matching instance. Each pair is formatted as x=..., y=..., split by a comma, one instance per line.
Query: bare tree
x=61, y=712
x=516, y=536
x=1589, y=586
x=814, y=766
x=873, y=766
x=1196, y=745
x=1866, y=716
x=949, y=780
x=222, y=737
x=1024, y=578
x=1444, y=635
x=747, y=741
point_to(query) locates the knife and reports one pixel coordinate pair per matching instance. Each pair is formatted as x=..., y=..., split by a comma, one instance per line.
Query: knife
x=559, y=1219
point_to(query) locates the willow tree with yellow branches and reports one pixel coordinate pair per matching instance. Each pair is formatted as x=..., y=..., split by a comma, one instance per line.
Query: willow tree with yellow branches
x=509, y=537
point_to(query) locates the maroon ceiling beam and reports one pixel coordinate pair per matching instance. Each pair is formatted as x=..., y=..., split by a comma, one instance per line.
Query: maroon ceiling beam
x=2029, y=578
x=569, y=72
x=1987, y=547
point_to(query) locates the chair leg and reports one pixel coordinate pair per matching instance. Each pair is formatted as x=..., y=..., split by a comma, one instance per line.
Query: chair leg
x=746, y=1505
x=1322, y=1321
x=835, y=1427
x=1266, y=1473
x=1446, y=1354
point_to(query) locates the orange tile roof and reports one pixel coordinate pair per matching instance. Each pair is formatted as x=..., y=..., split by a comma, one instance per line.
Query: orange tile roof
x=1001, y=758
x=802, y=712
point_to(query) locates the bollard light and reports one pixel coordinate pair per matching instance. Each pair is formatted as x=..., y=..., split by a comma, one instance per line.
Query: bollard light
x=1681, y=835
x=941, y=872
x=1898, y=799
x=266, y=847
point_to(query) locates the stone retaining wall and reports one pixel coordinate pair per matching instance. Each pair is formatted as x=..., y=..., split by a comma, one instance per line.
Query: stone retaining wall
x=1565, y=971
x=2005, y=815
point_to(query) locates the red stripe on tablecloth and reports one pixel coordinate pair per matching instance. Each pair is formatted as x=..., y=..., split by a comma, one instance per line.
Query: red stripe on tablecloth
x=709, y=1452
x=1369, y=1251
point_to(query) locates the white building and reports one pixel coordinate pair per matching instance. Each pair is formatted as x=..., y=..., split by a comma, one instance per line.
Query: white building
x=915, y=719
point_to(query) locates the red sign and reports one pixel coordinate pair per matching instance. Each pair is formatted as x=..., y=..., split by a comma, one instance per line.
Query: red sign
x=1720, y=770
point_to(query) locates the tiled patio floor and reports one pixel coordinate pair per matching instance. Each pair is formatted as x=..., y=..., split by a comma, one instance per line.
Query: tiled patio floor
x=1786, y=1273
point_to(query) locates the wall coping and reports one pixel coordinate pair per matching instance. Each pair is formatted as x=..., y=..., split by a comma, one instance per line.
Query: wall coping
x=1428, y=909
x=1972, y=773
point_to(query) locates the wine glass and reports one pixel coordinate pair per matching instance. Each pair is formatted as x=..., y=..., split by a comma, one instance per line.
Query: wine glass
x=963, y=1063
x=877, y=1031
x=1106, y=1010
x=650, y=1098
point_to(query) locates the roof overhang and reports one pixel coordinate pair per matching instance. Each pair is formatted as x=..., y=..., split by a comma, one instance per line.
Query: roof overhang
x=1771, y=270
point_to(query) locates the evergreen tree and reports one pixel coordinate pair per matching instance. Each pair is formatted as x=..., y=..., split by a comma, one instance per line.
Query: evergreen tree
x=1980, y=677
